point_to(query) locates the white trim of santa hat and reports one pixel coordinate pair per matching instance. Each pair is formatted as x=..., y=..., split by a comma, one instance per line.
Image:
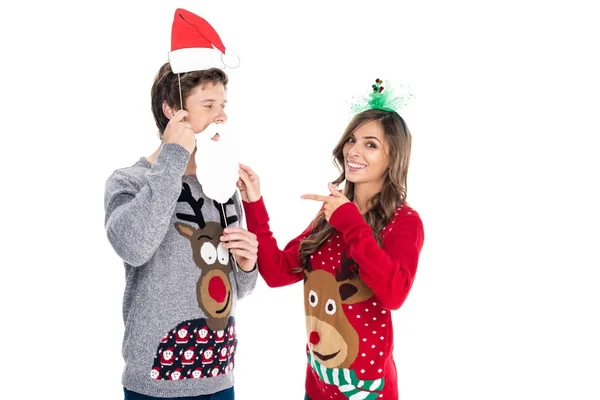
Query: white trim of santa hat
x=195, y=45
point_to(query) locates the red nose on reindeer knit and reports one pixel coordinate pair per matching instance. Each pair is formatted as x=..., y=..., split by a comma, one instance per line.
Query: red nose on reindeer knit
x=314, y=338
x=216, y=289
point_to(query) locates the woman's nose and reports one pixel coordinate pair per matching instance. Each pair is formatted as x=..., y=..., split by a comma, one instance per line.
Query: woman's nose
x=353, y=151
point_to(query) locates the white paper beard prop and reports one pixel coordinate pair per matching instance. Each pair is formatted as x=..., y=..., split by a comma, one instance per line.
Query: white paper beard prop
x=217, y=163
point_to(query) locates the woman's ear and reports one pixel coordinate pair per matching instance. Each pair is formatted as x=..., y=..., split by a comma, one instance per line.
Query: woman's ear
x=167, y=110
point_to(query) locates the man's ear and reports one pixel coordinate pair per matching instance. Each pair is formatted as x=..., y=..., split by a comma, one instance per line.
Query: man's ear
x=167, y=110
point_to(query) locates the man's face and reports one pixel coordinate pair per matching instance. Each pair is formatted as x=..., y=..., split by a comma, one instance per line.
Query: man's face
x=206, y=105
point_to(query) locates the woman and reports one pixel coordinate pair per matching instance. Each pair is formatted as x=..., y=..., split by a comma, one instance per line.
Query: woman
x=357, y=259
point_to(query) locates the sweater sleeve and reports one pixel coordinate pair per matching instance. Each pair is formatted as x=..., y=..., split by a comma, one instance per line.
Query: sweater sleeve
x=138, y=211
x=274, y=265
x=388, y=270
x=245, y=281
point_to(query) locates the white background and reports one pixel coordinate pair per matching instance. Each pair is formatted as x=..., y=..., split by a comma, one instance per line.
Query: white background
x=503, y=173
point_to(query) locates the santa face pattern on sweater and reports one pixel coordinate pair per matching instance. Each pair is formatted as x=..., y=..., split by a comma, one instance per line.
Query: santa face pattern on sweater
x=346, y=346
x=213, y=289
x=194, y=359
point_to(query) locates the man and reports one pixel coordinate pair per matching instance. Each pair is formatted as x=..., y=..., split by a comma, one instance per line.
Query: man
x=182, y=280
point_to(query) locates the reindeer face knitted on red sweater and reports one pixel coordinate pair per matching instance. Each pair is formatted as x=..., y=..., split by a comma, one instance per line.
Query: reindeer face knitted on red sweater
x=332, y=338
x=345, y=350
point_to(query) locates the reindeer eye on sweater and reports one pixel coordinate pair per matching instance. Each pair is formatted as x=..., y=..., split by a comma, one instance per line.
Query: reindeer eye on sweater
x=223, y=254
x=313, y=299
x=208, y=253
x=330, y=307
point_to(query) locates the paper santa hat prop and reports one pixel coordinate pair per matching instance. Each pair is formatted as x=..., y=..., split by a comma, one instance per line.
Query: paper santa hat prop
x=195, y=45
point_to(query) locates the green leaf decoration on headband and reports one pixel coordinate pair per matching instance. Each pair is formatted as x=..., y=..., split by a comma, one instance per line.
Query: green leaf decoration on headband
x=381, y=97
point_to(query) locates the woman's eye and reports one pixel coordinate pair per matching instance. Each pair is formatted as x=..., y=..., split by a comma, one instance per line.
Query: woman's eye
x=371, y=145
x=208, y=106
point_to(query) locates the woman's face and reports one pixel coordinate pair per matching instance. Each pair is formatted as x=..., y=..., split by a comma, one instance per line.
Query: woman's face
x=366, y=157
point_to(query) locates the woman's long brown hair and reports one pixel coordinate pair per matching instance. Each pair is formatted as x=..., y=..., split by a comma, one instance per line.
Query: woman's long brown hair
x=382, y=205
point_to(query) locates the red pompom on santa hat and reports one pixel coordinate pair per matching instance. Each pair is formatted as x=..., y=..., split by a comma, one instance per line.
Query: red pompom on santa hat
x=195, y=45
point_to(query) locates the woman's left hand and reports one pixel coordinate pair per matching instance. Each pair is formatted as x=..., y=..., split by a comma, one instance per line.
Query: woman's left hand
x=330, y=203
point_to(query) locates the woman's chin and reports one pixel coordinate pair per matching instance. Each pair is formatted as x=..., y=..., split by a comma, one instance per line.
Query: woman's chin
x=350, y=177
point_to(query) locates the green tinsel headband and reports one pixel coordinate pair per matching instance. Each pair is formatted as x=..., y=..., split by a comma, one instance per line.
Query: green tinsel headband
x=381, y=98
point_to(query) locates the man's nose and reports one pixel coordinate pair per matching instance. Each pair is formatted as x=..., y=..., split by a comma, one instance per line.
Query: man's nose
x=221, y=118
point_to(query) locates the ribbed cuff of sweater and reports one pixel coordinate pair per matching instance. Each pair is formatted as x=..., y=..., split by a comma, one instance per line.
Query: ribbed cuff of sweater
x=345, y=217
x=256, y=213
x=172, y=157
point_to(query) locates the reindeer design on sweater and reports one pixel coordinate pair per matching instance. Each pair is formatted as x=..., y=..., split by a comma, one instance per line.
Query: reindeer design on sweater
x=333, y=341
x=203, y=347
x=213, y=290
x=326, y=292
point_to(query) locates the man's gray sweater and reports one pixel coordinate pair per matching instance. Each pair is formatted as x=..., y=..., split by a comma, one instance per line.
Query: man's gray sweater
x=181, y=284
